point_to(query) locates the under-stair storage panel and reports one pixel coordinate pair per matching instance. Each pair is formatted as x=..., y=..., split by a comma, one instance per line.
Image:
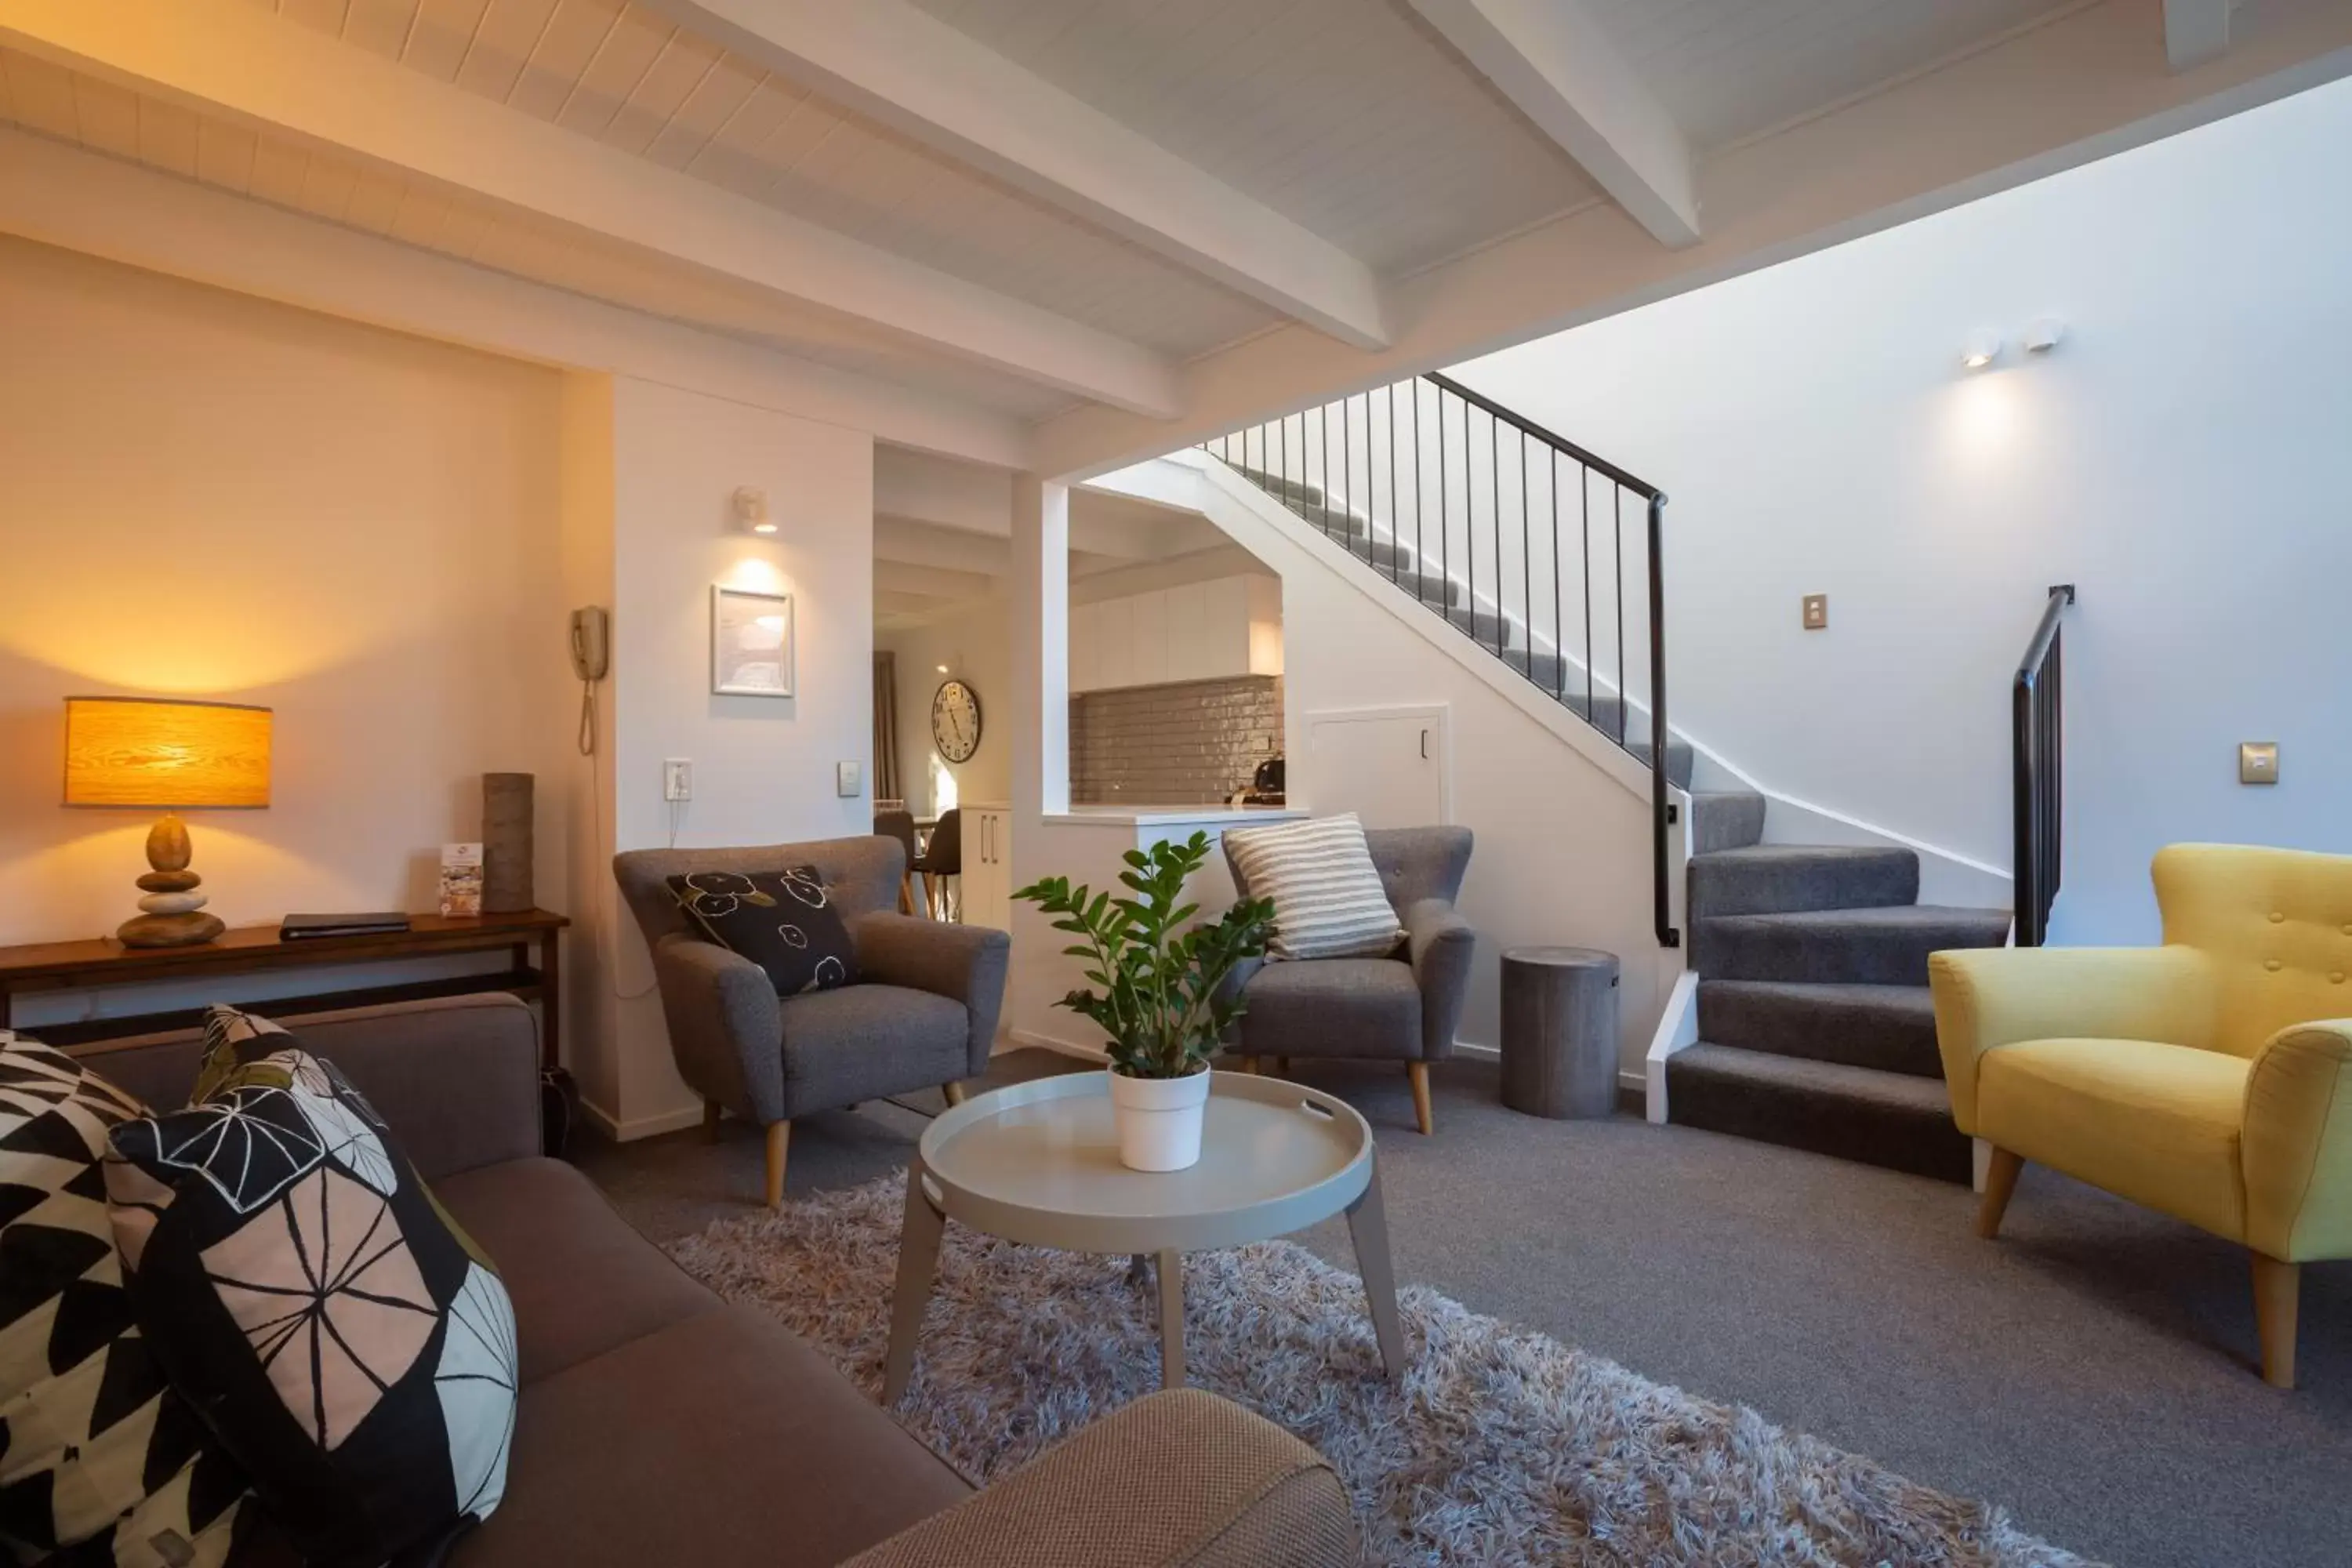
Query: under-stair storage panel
x=1216, y=630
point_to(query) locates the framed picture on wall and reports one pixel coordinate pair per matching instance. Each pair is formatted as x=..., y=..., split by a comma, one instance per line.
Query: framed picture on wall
x=750, y=643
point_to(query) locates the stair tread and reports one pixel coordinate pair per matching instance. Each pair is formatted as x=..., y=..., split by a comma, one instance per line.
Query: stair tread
x=1887, y=1026
x=1893, y=917
x=1798, y=854
x=1916, y=1000
x=1840, y=1080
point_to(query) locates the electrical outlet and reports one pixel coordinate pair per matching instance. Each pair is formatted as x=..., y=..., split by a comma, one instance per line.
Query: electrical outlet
x=1817, y=612
x=678, y=779
x=2258, y=763
x=848, y=780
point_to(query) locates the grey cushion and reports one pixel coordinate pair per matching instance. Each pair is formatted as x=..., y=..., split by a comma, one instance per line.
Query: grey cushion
x=1333, y=1007
x=580, y=1279
x=863, y=1042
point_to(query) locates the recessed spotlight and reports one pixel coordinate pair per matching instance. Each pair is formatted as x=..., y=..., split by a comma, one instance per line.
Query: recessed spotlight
x=1982, y=349
x=943, y=669
x=2044, y=334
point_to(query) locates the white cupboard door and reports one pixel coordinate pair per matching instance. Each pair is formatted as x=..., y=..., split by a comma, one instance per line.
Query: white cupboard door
x=1224, y=613
x=1387, y=765
x=1085, y=648
x=1261, y=610
x=1114, y=645
x=1192, y=649
x=1148, y=618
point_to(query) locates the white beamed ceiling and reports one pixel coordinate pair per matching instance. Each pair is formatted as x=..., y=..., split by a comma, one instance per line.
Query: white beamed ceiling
x=1297, y=198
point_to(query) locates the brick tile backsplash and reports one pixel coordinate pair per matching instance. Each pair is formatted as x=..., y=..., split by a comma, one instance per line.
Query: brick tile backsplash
x=1172, y=745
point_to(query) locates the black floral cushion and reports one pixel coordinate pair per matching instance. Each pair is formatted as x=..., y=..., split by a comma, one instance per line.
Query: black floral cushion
x=100, y=1462
x=349, y=1344
x=785, y=922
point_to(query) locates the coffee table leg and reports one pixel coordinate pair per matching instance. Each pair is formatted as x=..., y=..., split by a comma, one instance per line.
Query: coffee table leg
x=919, y=1255
x=1172, y=1320
x=1368, y=1225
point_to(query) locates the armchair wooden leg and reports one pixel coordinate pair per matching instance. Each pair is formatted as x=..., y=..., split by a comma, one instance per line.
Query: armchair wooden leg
x=710, y=1121
x=2001, y=1182
x=1419, y=1073
x=2277, y=1293
x=906, y=892
x=953, y=1090
x=779, y=1142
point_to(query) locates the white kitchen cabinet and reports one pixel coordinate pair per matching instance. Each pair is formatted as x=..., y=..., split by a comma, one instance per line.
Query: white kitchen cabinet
x=987, y=878
x=1214, y=630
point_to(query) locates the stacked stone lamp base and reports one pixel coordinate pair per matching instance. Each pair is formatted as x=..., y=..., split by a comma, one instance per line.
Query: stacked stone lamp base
x=172, y=914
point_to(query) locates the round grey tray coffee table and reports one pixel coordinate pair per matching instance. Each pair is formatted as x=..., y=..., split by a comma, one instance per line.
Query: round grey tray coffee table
x=1037, y=1163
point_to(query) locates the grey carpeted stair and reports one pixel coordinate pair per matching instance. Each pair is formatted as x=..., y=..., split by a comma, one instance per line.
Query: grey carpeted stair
x=1815, y=1026
x=1725, y=819
x=1890, y=1027
x=1871, y=946
x=1897, y=1120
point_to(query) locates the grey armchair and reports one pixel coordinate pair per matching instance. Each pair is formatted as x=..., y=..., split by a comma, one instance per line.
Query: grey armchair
x=923, y=1011
x=1404, y=1006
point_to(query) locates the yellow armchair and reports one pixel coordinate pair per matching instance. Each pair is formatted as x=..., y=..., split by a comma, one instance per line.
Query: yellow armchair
x=2209, y=1079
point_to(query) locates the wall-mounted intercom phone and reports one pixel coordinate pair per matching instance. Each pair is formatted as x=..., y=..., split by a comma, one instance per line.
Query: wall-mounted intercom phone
x=589, y=643
x=592, y=656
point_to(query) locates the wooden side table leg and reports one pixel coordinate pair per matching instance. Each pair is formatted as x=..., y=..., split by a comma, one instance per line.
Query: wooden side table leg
x=1172, y=1320
x=1367, y=1225
x=918, y=1257
x=550, y=999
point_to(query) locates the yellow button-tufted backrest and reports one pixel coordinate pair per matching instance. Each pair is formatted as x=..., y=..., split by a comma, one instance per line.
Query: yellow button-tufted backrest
x=2277, y=924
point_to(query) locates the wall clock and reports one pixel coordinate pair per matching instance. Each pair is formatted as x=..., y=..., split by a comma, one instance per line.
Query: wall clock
x=955, y=721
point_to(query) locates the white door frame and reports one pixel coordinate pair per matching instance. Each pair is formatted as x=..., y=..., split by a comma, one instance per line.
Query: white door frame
x=1435, y=717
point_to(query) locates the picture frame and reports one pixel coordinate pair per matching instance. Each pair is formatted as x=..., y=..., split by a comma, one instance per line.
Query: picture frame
x=751, y=642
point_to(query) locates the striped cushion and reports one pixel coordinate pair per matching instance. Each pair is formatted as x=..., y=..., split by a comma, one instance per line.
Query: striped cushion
x=1328, y=900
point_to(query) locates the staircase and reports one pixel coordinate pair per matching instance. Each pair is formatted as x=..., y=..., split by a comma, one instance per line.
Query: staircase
x=1814, y=1025
x=1503, y=633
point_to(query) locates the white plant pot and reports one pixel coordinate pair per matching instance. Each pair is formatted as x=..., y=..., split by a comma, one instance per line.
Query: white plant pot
x=1158, y=1120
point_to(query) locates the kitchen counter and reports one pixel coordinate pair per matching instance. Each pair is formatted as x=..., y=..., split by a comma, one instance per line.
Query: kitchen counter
x=1148, y=813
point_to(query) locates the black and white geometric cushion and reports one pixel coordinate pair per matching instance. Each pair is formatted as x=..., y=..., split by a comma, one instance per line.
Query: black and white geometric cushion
x=100, y=1462
x=301, y=1285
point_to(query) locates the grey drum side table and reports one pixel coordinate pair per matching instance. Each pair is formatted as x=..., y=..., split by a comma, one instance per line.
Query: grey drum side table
x=1037, y=1163
x=1560, y=1031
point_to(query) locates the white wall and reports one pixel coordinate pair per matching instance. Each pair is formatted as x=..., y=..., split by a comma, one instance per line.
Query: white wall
x=209, y=495
x=2184, y=456
x=973, y=642
x=763, y=767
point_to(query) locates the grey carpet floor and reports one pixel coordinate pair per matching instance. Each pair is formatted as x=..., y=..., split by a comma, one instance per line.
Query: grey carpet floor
x=2092, y=1370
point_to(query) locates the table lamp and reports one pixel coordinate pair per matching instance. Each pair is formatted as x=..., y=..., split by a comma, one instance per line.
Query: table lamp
x=162, y=752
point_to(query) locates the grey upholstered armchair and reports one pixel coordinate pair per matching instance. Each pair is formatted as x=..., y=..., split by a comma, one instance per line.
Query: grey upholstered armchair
x=1404, y=1006
x=923, y=1011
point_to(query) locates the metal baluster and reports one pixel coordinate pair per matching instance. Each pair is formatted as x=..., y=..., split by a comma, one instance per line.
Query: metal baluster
x=1559, y=632
x=1494, y=511
x=1527, y=565
x=1396, y=507
x=1584, y=573
x=1624, y=687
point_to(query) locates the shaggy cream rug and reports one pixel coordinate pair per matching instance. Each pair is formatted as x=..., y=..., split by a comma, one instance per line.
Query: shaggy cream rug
x=1503, y=1447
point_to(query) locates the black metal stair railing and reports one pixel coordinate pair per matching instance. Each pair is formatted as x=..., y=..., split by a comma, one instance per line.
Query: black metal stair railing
x=1517, y=536
x=2038, y=748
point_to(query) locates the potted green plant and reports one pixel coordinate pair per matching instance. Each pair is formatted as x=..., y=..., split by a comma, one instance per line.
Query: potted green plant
x=1158, y=979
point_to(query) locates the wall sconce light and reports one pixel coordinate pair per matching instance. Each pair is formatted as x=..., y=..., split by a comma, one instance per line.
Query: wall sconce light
x=2044, y=334
x=752, y=513
x=1983, y=348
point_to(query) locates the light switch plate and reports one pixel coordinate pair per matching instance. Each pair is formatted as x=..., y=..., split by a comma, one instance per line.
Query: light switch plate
x=678, y=779
x=847, y=779
x=1817, y=612
x=2258, y=763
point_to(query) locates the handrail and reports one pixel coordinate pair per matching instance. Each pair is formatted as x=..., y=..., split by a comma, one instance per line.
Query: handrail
x=2037, y=756
x=1599, y=465
x=1528, y=595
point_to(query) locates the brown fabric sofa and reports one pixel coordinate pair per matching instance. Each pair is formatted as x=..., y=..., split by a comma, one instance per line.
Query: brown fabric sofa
x=660, y=1426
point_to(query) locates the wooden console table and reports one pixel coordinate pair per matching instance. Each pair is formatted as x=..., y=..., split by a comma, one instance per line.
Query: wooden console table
x=103, y=962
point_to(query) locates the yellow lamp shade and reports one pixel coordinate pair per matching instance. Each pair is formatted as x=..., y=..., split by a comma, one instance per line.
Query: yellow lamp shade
x=164, y=753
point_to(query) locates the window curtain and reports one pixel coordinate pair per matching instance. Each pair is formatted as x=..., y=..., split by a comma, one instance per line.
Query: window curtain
x=886, y=728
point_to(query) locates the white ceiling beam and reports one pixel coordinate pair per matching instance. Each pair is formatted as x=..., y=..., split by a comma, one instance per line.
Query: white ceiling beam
x=1551, y=58
x=238, y=61
x=128, y=213
x=932, y=582
x=922, y=78
x=2195, y=31
x=912, y=541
